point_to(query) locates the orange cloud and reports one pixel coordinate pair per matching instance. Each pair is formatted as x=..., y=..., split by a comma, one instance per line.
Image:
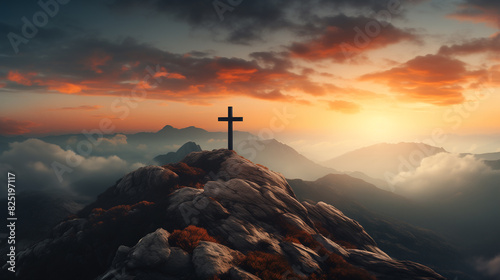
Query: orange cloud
x=432, y=79
x=79, y=108
x=345, y=107
x=266, y=76
x=175, y=76
x=27, y=80
x=23, y=79
x=14, y=127
x=98, y=59
x=167, y=75
x=66, y=88
x=235, y=75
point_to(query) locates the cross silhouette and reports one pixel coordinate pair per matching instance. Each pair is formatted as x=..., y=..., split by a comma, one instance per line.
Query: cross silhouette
x=230, y=119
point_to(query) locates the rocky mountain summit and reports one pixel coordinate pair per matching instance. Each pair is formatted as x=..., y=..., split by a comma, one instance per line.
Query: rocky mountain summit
x=214, y=215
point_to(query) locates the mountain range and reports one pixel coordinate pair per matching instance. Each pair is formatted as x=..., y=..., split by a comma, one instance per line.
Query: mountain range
x=384, y=214
x=401, y=226
x=214, y=215
x=382, y=161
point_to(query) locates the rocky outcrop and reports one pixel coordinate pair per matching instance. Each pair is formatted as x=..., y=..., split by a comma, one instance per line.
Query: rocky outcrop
x=215, y=214
x=212, y=259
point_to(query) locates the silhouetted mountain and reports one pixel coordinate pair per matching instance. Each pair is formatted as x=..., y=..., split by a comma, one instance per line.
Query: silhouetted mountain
x=383, y=160
x=214, y=214
x=375, y=210
x=488, y=156
x=38, y=212
x=177, y=156
x=143, y=146
x=494, y=164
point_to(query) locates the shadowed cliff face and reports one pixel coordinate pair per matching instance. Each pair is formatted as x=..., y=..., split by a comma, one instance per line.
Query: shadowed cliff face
x=215, y=215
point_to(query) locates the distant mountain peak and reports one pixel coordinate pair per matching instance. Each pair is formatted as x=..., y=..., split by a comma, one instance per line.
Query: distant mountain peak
x=178, y=155
x=193, y=128
x=381, y=159
x=167, y=128
x=170, y=129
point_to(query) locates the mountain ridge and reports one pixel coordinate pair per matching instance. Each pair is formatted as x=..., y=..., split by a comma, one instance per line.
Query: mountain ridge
x=384, y=159
x=242, y=211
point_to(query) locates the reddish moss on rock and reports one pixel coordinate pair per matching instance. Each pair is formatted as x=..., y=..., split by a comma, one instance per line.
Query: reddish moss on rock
x=99, y=215
x=189, y=238
x=189, y=176
x=266, y=266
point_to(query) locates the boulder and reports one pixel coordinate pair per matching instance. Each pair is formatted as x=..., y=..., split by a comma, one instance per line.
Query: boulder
x=212, y=259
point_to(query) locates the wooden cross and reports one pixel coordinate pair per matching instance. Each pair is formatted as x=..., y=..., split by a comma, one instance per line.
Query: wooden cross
x=230, y=119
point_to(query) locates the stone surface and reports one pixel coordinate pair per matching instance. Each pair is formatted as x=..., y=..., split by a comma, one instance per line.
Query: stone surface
x=236, y=273
x=152, y=250
x=211, y=259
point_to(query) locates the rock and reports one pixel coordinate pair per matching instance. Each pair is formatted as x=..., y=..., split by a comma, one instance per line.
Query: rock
x=152, y=251
x=211, y=259
x=236, y=273
x=340, y=226
x=305, y=261
x=178, y=262
x=297, y=222
x=144, y=180
x=120, y=256
x=331, y=246
x=388, y=269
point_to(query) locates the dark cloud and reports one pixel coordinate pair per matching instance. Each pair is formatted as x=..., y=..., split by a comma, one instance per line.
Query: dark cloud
x=247, y=21
x=340, y=38
x=481, y=45
x=83, y=63
x=432, y=79
x=487, y=11
x=14, y=127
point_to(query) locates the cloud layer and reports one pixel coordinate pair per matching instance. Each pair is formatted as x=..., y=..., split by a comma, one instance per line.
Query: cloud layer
x=33, y=162
x=489, y=267
x=444, y=177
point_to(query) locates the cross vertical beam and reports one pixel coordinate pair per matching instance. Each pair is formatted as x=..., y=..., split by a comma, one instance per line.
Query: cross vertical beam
x=230, y=119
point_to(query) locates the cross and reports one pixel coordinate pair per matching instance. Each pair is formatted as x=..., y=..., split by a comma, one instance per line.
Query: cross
x=230, y=119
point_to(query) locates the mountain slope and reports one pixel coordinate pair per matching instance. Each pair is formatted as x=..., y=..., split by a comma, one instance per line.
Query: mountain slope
x=375, y=209
x=178, y=155
x=488, y=156
x=215, y=214
x=494, y=164
x=381, y=160
x=284, y=159
x=39, y=212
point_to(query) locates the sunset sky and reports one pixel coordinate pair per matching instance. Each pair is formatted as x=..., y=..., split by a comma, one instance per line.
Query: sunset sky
x=352, y=73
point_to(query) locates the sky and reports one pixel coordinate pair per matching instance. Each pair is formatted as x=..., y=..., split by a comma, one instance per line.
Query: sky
x=320, y=75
